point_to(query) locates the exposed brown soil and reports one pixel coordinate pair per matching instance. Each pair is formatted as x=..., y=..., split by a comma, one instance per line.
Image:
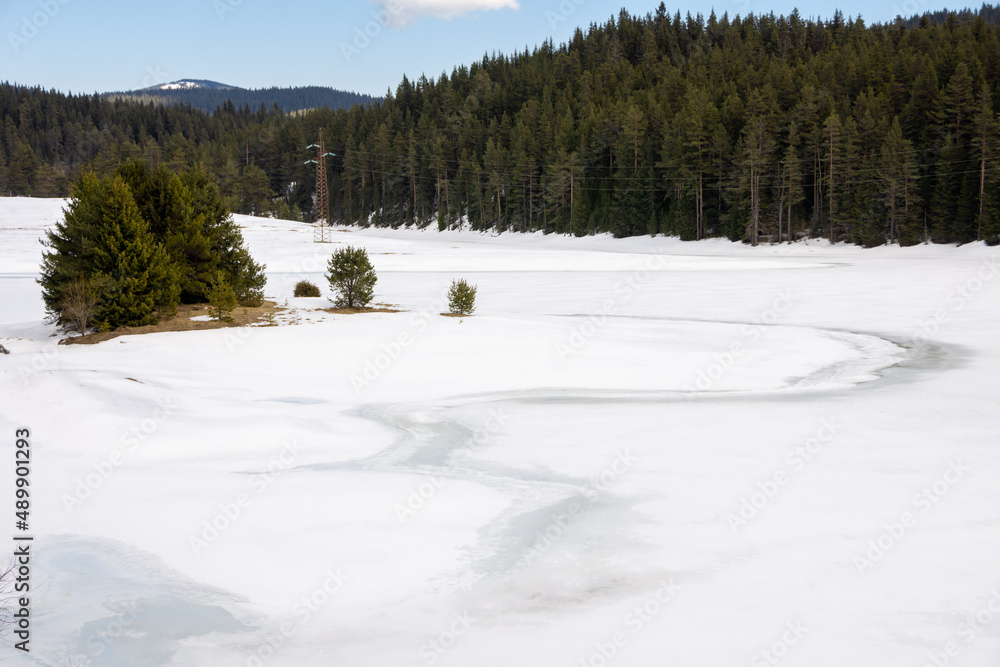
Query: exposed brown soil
x=454, y=315
x=240, y=317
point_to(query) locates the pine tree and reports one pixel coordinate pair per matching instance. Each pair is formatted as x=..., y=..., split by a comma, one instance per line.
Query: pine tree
x=256, y=191
x=957, y=104
x=954, y=206
x=987, y=138
x=352, y=277
x=854, y=173
x=699, y=113
x=167, y=206
x=221, y=296
x=22, y=168
x=495, y=168
x=898, y=186
x=442, y=200
x=462, y=297
x=945, y=222
x=867, y=217
x=757, y=147
x=832, y=129
x=917, y=118
x=633, y=207
x=794, y=193
x=228, y=251
x=991, y=212
x=103, y=238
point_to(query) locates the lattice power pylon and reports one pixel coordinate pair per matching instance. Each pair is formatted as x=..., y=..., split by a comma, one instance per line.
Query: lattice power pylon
x=321, y=224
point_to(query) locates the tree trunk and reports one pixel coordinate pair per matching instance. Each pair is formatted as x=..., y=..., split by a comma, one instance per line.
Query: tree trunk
x=781, y=221
x=572, y=200
x=700, y=208
x=833, y=204
x=531, y=199
x=754, y=203
x=789, y=221
x=982, y=191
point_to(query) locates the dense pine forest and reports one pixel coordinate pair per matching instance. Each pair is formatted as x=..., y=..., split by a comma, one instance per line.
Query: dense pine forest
x=759, y=128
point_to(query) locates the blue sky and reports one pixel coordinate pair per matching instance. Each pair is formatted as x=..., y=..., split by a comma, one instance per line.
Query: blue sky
x=104, y=45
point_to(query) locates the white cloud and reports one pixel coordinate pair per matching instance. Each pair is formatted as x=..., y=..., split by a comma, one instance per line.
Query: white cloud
x=402, y=12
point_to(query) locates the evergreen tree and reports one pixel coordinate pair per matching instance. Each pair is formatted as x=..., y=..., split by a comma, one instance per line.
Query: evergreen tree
x=461, y=297
x=22, y=168
x=991, y=213
x=167, y=206
x=697, y=120
x=256, y=191
x=757, y=147
x=352, y=277
x=221, y=296
x=103, y=238
x=793, y=192
x=868, y=216
x=228, y=252
x=957, y=104
x=946, y=224
x=898, y=184
x=832, y=130
x=987, y=145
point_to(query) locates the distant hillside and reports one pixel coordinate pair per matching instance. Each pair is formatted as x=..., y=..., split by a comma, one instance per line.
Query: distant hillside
x=188, y=84
x=211, y=95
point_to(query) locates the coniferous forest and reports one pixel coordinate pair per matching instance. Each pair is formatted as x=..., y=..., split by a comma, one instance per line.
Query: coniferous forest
x=760, y=128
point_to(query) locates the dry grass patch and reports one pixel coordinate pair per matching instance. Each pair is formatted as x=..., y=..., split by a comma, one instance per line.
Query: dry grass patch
x=378, y=308
x=241, y=317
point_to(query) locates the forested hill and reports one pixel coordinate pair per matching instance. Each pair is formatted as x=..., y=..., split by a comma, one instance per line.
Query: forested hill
x=287, y=99
x=753, y=128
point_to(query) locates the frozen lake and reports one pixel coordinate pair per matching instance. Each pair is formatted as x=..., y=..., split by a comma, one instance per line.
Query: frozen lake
x=638, y=452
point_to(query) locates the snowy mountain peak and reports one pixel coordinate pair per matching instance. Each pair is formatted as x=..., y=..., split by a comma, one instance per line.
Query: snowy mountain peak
x=192, y=84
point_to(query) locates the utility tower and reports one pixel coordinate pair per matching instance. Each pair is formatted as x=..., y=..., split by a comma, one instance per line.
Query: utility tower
x=321, y=224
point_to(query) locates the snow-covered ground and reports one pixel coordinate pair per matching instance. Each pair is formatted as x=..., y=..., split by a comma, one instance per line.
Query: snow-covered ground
x=638, y=452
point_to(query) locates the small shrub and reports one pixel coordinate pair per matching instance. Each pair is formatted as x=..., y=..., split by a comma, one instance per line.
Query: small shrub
x=462, y=297
x=352, y=277
x=305, y=288
x=80, y=302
